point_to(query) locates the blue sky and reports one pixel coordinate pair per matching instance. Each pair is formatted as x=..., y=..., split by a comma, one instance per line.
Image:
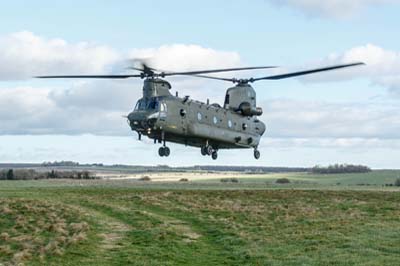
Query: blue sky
x=347, y=116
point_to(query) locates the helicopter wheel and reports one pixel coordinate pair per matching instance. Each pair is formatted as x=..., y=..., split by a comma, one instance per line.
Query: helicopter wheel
x=166, y=151
x=203, y=151
x=214, y=155
x=161, y=151
x=209, y=150
x=257, y=154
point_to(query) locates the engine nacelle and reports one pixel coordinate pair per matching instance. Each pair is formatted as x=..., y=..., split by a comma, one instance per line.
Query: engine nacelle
x=246, y=109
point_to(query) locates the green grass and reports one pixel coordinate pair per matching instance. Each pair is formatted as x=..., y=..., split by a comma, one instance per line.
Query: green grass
x=374, y=178
x=136, y=223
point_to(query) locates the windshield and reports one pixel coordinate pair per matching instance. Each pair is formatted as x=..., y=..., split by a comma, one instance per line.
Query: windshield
x=142, y=104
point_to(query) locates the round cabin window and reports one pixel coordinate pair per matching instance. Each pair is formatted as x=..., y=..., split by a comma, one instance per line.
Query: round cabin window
x=215, y=120
x=244, y=126
x=199, y=116
x=182, y=112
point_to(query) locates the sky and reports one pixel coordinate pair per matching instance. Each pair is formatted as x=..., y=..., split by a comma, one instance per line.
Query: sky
x=346, y=116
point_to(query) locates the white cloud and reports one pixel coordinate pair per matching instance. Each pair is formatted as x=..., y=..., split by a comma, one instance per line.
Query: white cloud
x=382, y=67
x=96, y=107
x=331, y=8
x=88, y=106
x=310, y=119
x=187, y=57
x=24, y=54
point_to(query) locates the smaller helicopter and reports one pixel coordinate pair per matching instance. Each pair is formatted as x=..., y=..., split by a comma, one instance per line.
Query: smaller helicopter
x=164, y=117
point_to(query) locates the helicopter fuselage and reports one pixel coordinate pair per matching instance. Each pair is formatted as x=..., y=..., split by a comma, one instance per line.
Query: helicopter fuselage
x=194, y=123
x=166, y=118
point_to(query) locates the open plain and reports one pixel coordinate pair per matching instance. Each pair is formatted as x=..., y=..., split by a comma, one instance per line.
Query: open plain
x=349, y=219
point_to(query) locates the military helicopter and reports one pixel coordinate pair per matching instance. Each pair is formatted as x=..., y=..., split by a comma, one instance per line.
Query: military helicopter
x=164, y=117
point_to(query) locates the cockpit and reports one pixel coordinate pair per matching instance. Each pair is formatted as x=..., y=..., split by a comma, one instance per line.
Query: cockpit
x=143, y=105
x=152, y=104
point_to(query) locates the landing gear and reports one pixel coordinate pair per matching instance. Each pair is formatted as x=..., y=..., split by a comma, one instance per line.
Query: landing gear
x=164, y=151
x=257, y=154
x=209, y=150
x=203, y=151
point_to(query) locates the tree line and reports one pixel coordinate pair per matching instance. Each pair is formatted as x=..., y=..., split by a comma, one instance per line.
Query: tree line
x=30, y=174
x=340, y=169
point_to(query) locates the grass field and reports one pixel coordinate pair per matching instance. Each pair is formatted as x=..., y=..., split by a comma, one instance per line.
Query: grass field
x=313, y=221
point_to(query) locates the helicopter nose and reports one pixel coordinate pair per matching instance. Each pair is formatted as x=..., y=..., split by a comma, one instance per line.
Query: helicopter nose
x=136, y=121
x=142, y=121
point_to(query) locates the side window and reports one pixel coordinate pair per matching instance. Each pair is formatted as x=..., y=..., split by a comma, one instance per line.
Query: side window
x=215, y=120
x=229, y=123
x=199, y=116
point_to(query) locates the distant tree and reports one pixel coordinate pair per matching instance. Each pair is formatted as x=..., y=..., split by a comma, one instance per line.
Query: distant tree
x=52, y=174
x=340, y=169
x=397, y=182
x=10, y=174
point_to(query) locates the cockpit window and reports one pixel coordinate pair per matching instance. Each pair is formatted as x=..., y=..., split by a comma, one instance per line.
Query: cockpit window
x=152, y=104
x=140, y=105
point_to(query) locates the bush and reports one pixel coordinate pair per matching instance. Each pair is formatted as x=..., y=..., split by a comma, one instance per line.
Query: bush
x=282, y=181
x=145, y=178
x=229, y=180
x=183, y=180
x=397, y=182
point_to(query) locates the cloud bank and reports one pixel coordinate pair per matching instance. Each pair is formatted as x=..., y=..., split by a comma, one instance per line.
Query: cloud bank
x=24, y=54
x=97, y=107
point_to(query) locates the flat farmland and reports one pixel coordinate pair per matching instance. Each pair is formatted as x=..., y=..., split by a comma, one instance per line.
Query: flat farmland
x=254, y=222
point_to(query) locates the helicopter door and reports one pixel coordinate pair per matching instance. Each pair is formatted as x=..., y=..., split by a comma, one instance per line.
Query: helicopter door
x=163, y=111
x=183, y=122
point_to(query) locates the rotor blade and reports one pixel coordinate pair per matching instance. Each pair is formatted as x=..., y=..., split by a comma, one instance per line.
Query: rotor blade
x=307, y=72
x=196, y=72
x=217, y=78
x=89, y=77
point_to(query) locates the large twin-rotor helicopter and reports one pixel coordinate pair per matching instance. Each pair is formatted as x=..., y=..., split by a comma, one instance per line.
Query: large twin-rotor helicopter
x=164, y=117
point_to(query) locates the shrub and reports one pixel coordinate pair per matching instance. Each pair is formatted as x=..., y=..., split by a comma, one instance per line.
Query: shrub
x=229, y=180
x=282, y=181
x=397, y=182
x=145, y=178
x=183, y=180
